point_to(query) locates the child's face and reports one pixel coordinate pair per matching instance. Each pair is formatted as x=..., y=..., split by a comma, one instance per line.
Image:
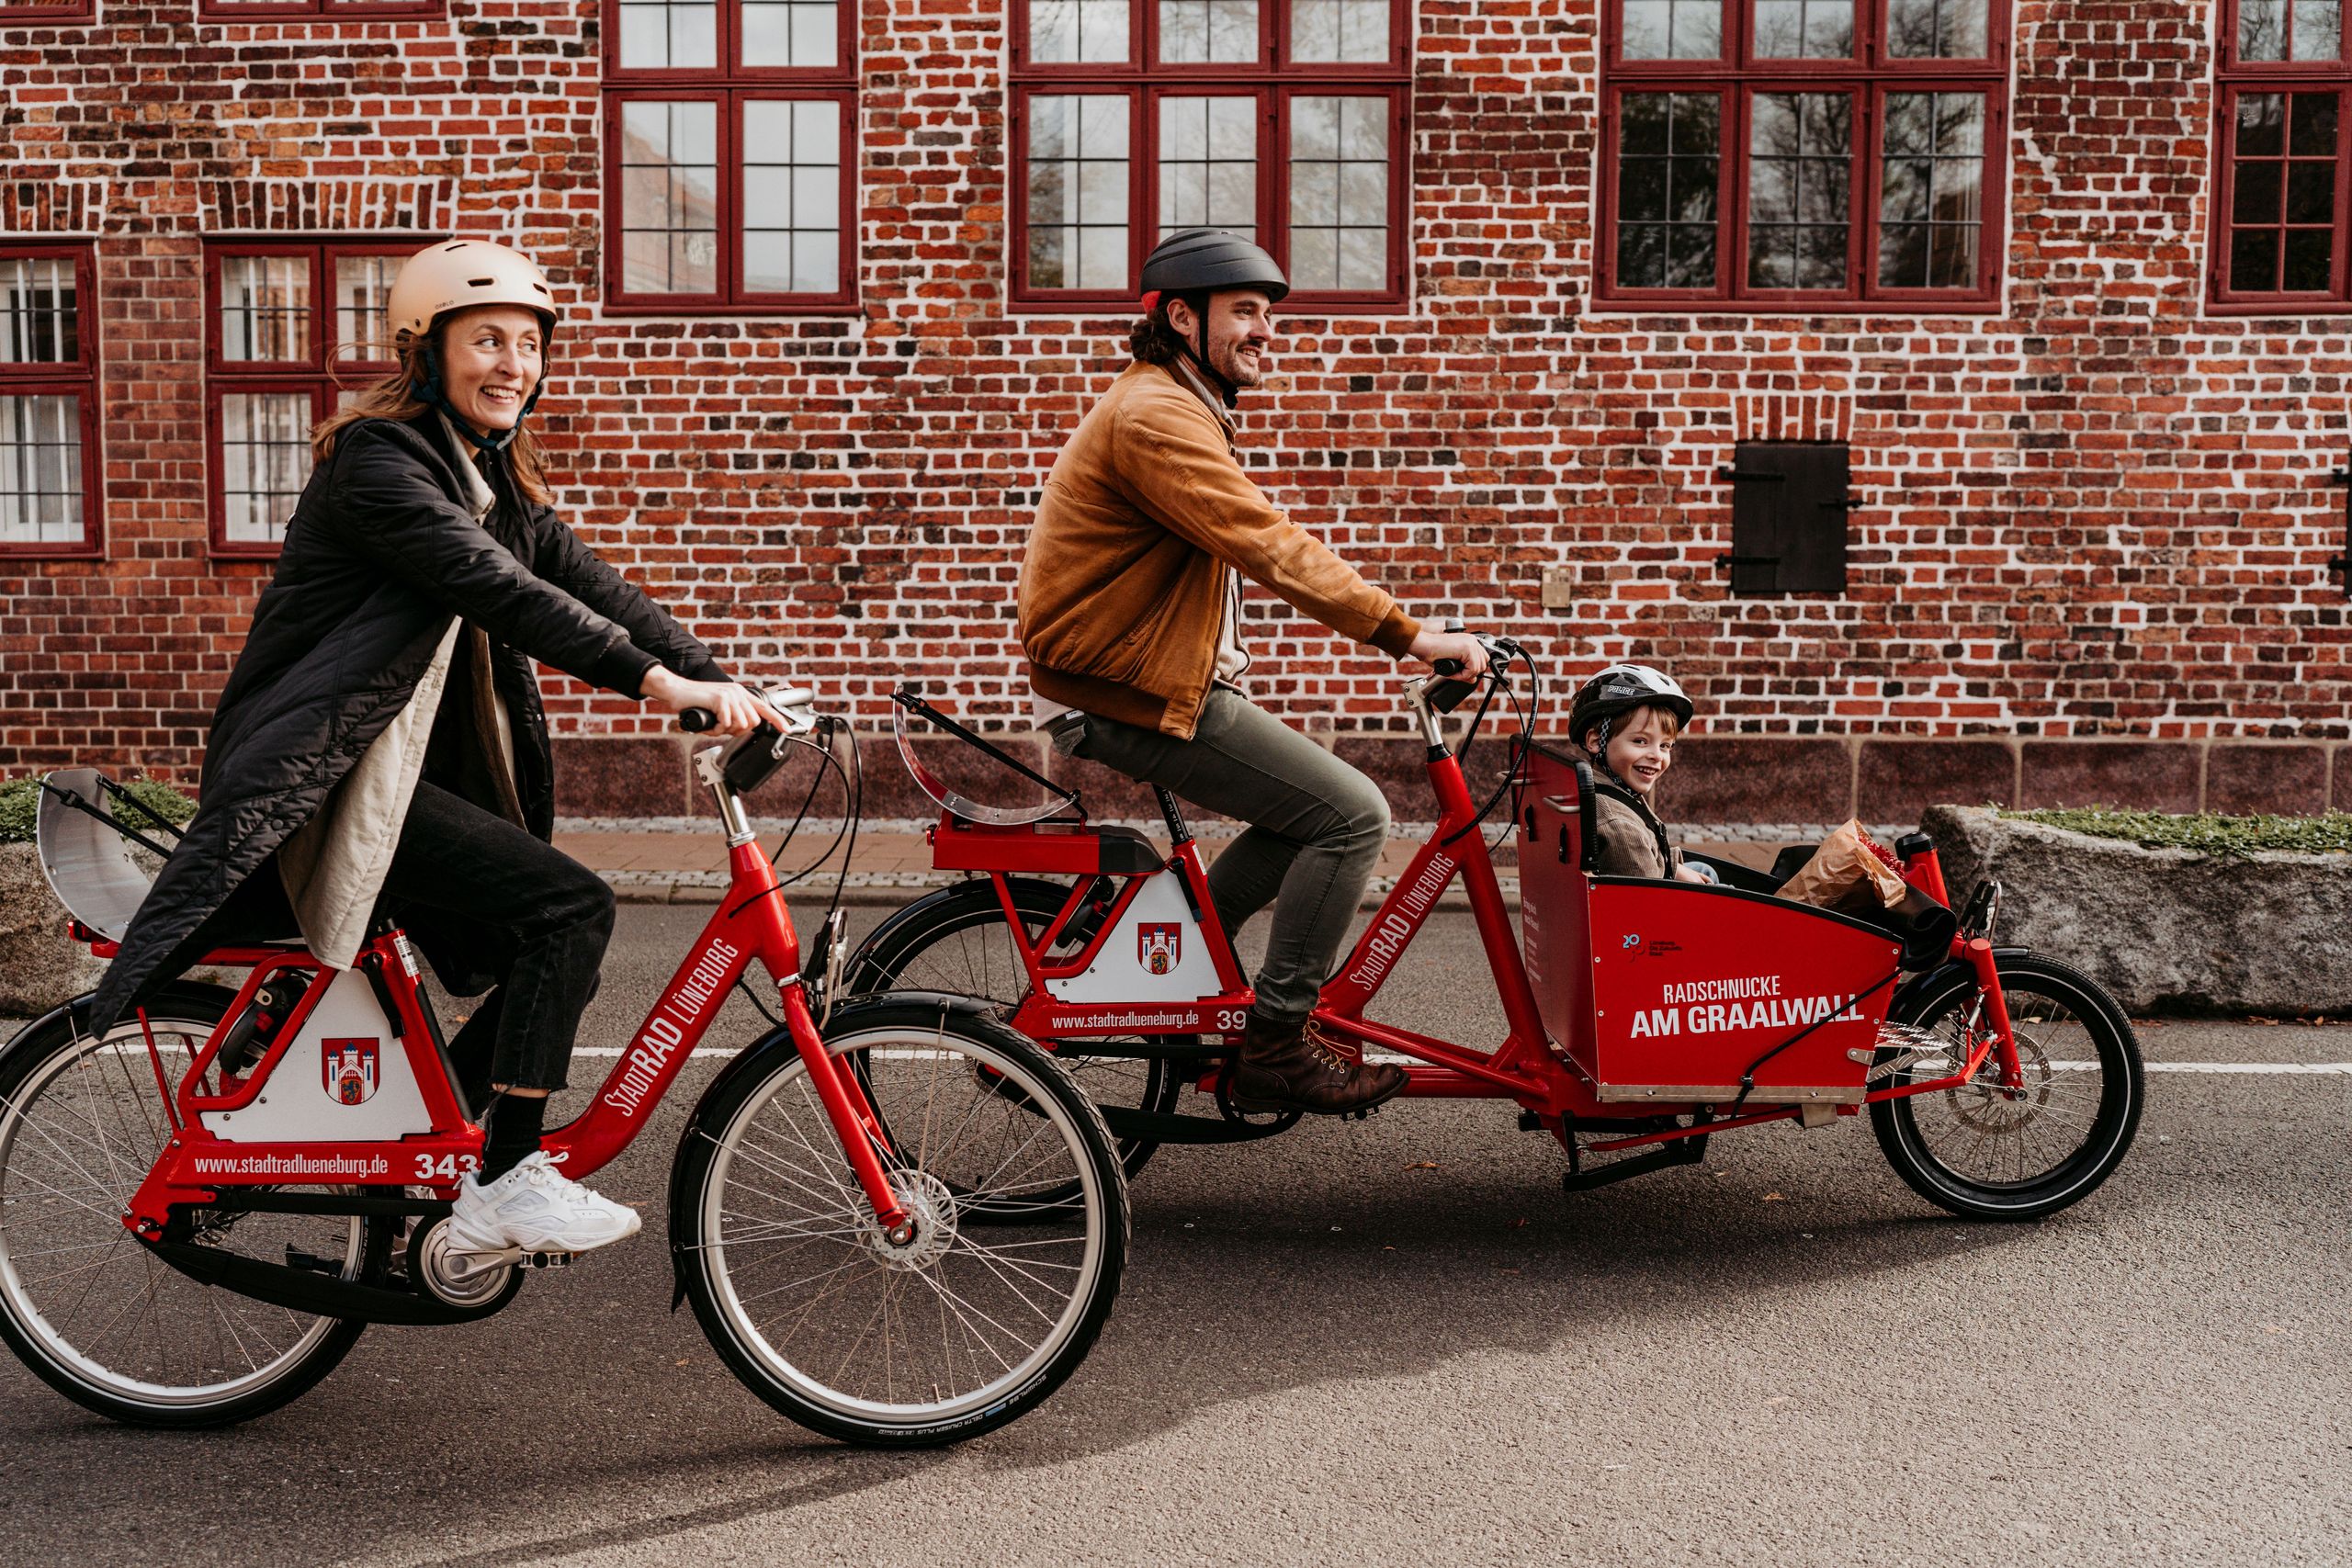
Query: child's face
x=1641, y=748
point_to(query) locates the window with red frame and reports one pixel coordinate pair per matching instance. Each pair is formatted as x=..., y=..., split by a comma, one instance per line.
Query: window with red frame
x=2279, y=210
x=49, y=402
x=23, y=13
x=292, y=330
x=300, y=10
x=1281, y=119
x=1812, y=152
x=729, y=155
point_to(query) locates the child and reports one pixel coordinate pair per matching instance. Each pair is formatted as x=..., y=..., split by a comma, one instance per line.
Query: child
x=1627, y=719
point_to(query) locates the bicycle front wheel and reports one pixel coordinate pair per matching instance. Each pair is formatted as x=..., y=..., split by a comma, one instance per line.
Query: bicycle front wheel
x=968, y=1325
x=98, y=1316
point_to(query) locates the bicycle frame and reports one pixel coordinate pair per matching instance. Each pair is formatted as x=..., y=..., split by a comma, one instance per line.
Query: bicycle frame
x=750, y=922
x=1523, y=1067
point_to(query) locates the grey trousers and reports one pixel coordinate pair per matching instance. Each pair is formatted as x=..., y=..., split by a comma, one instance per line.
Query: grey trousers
x=1316, y=828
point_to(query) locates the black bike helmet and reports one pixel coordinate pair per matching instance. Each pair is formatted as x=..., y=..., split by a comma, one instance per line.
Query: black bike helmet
x=1193, y=264
x=1201, y=260
x=1621, y=688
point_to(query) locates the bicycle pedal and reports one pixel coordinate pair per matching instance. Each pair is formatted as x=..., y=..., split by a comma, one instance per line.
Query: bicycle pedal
x=549, y=1259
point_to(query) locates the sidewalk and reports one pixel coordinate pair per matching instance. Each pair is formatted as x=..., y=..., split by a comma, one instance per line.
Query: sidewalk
x=683, y=861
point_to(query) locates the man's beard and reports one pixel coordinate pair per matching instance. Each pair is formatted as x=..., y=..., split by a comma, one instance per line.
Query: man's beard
x=1234, y=368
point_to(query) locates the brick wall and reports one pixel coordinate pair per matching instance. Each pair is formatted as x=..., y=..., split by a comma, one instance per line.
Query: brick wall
x=2087, y=559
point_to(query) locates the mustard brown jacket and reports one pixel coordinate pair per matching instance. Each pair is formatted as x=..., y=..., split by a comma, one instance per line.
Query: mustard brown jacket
x=1123, y=588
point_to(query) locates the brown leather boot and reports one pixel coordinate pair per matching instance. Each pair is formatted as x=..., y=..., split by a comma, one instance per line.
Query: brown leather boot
x=1290, y=1066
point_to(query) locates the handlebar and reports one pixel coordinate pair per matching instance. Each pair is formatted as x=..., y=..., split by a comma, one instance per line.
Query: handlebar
x=693, y=721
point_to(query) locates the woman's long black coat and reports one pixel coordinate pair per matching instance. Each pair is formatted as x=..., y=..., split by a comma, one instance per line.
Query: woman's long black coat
x=382, y=552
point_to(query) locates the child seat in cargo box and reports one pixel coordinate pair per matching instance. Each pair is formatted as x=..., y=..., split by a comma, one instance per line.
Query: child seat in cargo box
x=1676, y=991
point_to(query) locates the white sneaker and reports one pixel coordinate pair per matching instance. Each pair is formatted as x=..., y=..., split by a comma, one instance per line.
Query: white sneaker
x=536, y=1208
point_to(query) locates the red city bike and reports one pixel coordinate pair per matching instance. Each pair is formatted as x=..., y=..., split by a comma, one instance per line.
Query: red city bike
x=898, y=1221
x=1641, y=1018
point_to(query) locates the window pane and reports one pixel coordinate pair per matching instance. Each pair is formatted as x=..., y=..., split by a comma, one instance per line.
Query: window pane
x=40, y=470
x=1931, y=190
x=2310, y=192
x=2253, y=260
x=1338, y=197
x=1804, y=29
x=1208, y=164
x=2309, y=253
x=792, y=195
x=1800, y=167
x=668, y=35
x=1673, y=29
x=2310, y=126
x=2318, y=31
x=1668, y=169
x=1195, y=32
x=361, y=284
x=1078, y=192
x=2255, y=193
x=1078, y=29
x=1339, y=29
x=669, y=198
x=265, y=457
x=1940, y=29
x=2262, y=30
x=39, y=319
x=265, y=308
x=2262, y=123
x=802, y=33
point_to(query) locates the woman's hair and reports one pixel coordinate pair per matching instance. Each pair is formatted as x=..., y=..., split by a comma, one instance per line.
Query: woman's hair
x=1605, y=728
x=395, y=396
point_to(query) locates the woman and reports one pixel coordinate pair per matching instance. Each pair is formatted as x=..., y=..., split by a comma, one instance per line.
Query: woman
x=381, y=735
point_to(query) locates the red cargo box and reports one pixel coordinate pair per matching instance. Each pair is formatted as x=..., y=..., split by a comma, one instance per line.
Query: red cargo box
x=1671, y=991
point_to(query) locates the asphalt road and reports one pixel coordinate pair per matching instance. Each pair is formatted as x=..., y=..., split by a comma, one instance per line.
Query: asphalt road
x=1394, y=1343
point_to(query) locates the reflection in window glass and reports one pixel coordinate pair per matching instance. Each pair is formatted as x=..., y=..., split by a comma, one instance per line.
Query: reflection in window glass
x=1208, y=164
x=1339, y=193
x=41, y=468
x=40, y=322
x=668, y=35
x=2282, y=193
x=1931, y=191
x=2318, y=30
x=1938, y=29
x=266, y=307
x=1339, y=29
x=669, y=198
x=1804, y=29
x=801, y=33
x=361, y=286
x=1076, y=29
x=792, y=196
x=1078, y=192
x=266, y=458
x=1799, y=173
x=1673, y=29
x=1669, y=170
x=1196, y=32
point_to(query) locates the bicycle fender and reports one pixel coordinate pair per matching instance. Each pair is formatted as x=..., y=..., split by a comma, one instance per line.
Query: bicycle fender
x=1930, y=980
x=928, y=906
x=760, y=1057
x=75, y=1014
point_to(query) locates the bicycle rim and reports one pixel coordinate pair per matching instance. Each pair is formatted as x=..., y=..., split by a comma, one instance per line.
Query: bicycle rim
x=952, y=1327
x=104, y=1319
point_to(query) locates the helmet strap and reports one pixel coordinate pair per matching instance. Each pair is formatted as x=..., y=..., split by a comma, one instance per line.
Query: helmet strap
x=1197, y=350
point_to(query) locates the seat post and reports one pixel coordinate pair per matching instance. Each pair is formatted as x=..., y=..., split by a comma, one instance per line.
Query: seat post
x=1178, y=833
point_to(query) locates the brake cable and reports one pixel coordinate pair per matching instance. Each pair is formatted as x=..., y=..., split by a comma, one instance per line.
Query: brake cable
x=1519, y=742
x=854, y=802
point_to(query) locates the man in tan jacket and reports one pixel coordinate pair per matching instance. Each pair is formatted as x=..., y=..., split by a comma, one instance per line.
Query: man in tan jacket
x=1129, y=613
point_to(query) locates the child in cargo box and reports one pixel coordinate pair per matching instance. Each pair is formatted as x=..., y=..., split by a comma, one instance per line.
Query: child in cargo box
x=1626, y=719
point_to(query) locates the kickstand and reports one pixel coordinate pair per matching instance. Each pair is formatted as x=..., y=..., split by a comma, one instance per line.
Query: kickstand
x=1682, y=1151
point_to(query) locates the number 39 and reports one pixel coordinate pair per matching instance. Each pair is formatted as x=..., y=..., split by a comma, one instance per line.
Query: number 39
x=446, y=1170
x=1232, y=1021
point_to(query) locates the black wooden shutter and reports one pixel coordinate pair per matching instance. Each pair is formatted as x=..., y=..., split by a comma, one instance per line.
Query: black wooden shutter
x=1788, y=517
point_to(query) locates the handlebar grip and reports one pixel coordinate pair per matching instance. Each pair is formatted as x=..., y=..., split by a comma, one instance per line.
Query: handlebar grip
x=1446, y=666
x=693, y=721
x=1447, y=696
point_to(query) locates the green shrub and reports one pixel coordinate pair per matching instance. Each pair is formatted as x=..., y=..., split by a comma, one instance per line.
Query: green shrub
x=20, y=807
x=2208, y=831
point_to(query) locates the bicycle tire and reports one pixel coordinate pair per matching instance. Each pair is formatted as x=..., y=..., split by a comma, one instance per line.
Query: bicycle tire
x=812, y=1212
x=114, y=1093
x=2033, y=985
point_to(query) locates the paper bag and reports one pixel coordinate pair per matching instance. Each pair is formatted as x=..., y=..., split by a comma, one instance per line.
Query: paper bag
x=1845, y=874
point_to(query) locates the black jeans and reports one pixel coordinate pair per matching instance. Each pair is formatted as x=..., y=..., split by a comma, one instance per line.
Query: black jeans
x=534, y=917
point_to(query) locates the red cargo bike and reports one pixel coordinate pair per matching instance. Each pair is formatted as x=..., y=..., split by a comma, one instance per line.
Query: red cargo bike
x=1641, y=1018
x=898, y=1221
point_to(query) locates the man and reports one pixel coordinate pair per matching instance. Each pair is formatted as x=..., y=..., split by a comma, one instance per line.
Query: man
x=1129, y=613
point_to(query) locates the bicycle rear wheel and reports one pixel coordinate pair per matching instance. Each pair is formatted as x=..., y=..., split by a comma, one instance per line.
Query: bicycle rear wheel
x=93, y=1313
x=966, y=1327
